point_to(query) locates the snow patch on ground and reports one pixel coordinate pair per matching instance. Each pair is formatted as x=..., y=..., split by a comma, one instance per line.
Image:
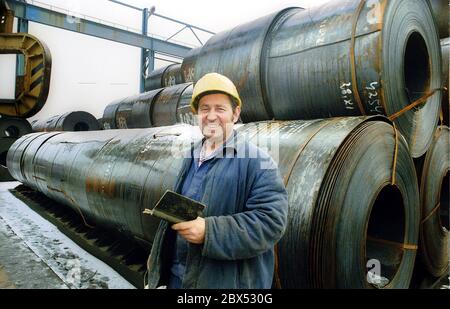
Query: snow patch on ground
x=73, y=265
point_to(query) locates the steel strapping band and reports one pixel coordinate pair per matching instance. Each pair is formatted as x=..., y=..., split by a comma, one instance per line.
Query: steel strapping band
x=431, y=213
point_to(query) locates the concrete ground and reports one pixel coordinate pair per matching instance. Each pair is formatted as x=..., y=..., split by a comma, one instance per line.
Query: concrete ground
x=35, y=254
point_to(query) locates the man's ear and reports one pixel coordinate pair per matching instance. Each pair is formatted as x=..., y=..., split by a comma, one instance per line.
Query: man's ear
x=236, y=114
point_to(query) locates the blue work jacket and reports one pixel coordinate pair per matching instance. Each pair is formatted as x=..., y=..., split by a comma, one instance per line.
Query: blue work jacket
x=246, y=215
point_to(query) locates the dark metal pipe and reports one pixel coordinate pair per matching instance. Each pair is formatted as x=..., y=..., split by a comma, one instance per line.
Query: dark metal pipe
x=315, y=63
x=160, y=107
x=164, y=77
x=434, y=197
x=71, y=121
x=344, y=213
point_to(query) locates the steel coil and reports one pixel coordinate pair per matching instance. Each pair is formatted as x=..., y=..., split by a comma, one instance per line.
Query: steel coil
x=164, y=77
x=13, y=127
x=445, y=45
x=130, y=112
x=345, y=213
x=434, y=197
x=109, y=115
x=344, y=58
x=160, y=107
x=71, y=121
x=239, y=54
x=10, y=130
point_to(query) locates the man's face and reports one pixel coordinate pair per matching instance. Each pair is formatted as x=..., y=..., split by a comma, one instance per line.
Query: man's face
x=216, y=117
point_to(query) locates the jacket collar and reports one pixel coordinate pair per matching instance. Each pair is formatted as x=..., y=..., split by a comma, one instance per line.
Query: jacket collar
x=231, y=144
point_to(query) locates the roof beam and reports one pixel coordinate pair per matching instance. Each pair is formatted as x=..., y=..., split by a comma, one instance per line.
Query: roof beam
x=56, y=19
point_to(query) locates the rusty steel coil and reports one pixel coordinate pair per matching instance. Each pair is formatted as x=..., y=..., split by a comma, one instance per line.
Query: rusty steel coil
x=160, y=107
x=164, y=77
x=353, y=194
x=344, y=58
x=239, y=54
x=33, y=87
x=71, y=121
x=130, y=112
x=434, y=197
x=13, y=127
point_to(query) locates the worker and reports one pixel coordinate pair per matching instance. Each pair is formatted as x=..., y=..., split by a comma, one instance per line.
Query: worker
x=232, y=244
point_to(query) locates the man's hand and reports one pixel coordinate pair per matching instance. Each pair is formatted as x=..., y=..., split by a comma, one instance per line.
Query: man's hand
x=193, y=231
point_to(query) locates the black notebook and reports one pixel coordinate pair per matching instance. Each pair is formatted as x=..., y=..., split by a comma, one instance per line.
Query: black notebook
x=176, y=208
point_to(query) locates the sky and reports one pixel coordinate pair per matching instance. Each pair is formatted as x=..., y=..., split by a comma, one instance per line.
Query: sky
x=88, y=73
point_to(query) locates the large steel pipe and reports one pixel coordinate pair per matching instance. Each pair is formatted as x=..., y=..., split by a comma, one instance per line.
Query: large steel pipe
x=346, y=211
x=344, y=58
x=71, y=121
x=160, y=107
x=434, y=197
x=164, y=77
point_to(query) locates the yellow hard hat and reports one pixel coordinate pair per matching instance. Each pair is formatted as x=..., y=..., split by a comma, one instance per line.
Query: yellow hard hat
x=213, y=82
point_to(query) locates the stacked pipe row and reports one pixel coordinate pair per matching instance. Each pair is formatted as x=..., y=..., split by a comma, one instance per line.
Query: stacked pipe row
x=159, y=107
x=10, y=130
x=344, y=58
x=345, y=208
